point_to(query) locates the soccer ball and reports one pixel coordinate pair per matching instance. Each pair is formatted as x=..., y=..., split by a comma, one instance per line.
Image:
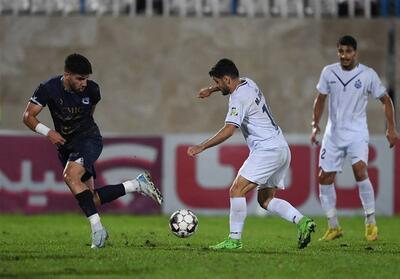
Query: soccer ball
x=183, y=223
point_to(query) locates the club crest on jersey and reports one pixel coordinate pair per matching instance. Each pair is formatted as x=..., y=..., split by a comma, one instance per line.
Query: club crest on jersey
x=86, y=100
x=357, y=84
x=234, y=111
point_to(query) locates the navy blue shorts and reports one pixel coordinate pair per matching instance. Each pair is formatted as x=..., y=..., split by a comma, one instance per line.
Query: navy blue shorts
x=88, y=148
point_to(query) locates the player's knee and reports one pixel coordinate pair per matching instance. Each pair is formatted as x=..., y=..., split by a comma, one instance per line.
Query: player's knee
x=360, y=171
x=326, y=177
x=360, y=175
x=69, y=177
x=235, y=191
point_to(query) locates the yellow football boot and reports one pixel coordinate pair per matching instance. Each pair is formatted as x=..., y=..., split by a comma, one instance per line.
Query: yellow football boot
x=332, y=233
x=371, y=232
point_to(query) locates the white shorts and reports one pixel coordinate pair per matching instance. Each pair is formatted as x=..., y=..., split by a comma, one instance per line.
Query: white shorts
x=331, y=156
x=267, y=168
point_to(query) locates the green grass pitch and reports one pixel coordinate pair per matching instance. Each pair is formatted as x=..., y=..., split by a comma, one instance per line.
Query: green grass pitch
x=57, y=246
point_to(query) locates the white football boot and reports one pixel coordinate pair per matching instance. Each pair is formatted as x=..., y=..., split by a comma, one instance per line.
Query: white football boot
x=99, y=238
x=147, y=188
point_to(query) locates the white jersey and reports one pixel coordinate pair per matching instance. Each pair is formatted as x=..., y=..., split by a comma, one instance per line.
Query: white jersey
x=249, y=112
x=348, y=93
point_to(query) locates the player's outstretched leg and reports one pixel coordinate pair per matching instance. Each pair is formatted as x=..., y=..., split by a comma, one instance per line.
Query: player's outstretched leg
x=229, y=243
x=99, y=238
x=305, y=227
x=147, y=188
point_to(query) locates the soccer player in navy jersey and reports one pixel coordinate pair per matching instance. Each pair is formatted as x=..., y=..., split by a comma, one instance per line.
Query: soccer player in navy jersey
x=72, y=99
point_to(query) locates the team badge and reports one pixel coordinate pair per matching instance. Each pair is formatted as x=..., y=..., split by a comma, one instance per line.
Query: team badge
x=357, y=84
x=86, y=100
x=234, y=111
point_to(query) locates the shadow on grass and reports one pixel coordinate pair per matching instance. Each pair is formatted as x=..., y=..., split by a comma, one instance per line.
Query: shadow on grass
x=22, y=257
x=316, y=248
x=123, y=273
x=203, y=249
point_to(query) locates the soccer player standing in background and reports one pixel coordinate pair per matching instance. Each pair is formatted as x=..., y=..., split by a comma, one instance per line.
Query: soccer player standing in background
x=72, y=99
x=348, y=85
x=269, y=157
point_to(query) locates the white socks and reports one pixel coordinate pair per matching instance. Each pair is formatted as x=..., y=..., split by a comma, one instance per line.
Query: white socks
x=237, y=216
x=367, y=198
x=284, y=210
x=95, y=222
x=327, y=196
x=131, y=186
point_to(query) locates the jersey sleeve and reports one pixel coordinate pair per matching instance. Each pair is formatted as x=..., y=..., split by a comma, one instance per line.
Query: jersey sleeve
x=235, y=113
x=376, y=88
x=323, y=85
x=40, y=96
x=97, y=95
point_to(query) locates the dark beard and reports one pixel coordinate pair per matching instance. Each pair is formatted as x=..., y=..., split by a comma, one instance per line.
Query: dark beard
x=77, y=90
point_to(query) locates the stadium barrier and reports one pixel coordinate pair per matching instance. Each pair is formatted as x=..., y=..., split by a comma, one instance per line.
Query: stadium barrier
x=31, y=176
x=199, y=8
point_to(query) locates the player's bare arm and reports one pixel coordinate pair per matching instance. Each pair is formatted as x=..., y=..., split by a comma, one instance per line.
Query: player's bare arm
x=318, y=109
x=391, y=133
x=206, y=92
x=31, y=121
x=226, y=132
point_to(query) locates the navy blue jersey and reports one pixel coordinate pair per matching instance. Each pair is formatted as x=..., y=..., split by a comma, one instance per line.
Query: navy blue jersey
x=71, y=111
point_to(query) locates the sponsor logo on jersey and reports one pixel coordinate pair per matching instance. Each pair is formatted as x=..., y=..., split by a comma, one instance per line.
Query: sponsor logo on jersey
x=332, y=81
x=358, y=84
x=86, y=100
x=234, y=111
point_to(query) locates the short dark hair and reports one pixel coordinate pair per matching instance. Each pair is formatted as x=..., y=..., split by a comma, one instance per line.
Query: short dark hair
x=347, y=41
x=224, y=67
x=77, y=64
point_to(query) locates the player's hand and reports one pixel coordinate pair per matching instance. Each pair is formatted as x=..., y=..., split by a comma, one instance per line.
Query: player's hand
x=194, y=150
x=392, y=136
x=55, y=138
x=205, y=92
x=315, y=131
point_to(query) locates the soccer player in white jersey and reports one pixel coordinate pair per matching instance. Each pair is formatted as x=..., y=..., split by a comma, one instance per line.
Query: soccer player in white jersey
x=269, y=157
x=348, y=84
